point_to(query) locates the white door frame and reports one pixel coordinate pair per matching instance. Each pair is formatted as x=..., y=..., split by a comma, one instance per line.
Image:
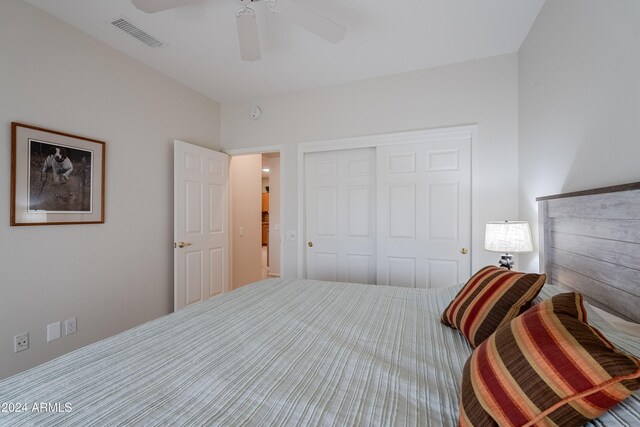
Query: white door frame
x=471, y=131
x=283, y=170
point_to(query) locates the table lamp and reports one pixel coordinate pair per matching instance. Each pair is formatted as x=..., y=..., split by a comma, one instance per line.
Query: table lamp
x=507, y=237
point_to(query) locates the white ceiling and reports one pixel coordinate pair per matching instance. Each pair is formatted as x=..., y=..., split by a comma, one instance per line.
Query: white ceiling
x=383, y=37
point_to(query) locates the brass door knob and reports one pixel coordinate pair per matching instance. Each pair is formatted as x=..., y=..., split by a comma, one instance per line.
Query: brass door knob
x=310, y=244
x=182, y=245
x=464, y=251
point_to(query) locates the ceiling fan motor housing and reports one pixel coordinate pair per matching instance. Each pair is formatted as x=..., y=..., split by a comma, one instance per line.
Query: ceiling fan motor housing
x=245, y=2
x=247, y=25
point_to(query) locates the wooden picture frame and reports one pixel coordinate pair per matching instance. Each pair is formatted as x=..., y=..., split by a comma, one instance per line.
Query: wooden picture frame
x=56, y=178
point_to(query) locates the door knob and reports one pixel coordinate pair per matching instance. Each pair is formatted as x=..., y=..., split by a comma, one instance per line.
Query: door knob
x=310, y=244
x=182, y=245
x=464, y=251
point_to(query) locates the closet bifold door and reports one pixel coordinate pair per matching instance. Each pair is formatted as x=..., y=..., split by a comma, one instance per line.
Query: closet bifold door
x=340, y=215
x=424, y=213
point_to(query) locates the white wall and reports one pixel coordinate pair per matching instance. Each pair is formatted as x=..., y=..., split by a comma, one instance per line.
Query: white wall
x=579, y=101
x=483, y=91
x=112, y=276
x=245, y=177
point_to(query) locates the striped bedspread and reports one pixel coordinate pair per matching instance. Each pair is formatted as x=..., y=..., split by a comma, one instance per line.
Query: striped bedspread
x=277, y=352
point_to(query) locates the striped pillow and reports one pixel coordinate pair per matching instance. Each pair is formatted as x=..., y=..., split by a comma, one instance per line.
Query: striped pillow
x=547, y=367
x=491, y=298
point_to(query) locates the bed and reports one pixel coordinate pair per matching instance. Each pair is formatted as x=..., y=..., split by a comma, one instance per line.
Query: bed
x=278, y=352
x=590, y=243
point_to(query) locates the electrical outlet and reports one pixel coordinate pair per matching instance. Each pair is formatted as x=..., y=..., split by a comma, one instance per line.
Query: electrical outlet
x=70, y=326
x=21, y=342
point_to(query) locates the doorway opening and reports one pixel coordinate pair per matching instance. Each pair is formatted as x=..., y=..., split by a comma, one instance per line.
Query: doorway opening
x=270, y=204
x=255, y=216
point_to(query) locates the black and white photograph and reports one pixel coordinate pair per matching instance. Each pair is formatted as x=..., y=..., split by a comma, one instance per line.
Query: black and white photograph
x=59, y=178
x=56, y=178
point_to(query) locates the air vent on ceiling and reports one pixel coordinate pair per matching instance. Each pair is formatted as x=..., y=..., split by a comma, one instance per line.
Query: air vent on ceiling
x=126, y=26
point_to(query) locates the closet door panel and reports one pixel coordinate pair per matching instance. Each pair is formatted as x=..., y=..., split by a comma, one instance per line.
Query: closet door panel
x=424, y=212
x=340, y=215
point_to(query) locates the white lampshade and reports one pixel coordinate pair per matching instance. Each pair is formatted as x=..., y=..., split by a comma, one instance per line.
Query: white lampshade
x=508, y=236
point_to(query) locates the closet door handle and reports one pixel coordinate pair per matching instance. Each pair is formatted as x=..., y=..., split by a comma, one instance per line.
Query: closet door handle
x=182, y=245
x=464, y=251
x=310, y=244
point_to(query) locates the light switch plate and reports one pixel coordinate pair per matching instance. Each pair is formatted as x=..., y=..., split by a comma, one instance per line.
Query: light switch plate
x=53, y=331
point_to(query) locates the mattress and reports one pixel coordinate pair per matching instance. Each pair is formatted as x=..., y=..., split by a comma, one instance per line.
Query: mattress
x=278, y=352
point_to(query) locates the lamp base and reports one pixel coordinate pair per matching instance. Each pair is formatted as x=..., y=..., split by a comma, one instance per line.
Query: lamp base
x=506, y=261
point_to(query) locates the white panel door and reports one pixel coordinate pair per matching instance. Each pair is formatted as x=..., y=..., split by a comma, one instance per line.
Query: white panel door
x=201, y=254
x=424, y=213
x=340, y=215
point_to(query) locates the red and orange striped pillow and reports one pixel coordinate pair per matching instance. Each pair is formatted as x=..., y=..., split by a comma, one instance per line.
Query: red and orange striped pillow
x=546, y=367
x=491, y=298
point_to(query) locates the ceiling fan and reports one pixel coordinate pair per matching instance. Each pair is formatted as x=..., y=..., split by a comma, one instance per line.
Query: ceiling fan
x=246, y=20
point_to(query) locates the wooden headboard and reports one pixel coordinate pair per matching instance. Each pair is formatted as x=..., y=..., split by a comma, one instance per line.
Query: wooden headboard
x=590, y=243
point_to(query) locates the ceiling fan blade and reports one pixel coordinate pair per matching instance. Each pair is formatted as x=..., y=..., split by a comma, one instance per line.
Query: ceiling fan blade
x=248, y=35
x=153, y=6
x=310, y=20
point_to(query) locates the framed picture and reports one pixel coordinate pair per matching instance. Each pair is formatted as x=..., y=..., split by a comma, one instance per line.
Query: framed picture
x=56, y=178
